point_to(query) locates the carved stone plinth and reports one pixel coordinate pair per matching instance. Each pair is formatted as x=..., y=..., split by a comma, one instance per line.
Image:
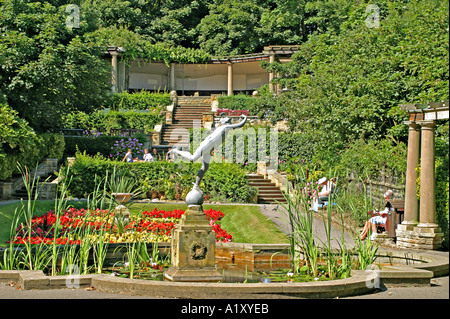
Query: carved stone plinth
x=193, y=249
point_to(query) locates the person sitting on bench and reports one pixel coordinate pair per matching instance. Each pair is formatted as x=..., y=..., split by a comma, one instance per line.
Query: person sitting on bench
x=328, y=187
x=379, y=218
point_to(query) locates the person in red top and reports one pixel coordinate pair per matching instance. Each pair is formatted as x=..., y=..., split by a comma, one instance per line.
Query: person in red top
x=379, y=218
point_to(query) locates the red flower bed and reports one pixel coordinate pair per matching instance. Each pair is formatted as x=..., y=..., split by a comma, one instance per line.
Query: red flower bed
x=156, y=223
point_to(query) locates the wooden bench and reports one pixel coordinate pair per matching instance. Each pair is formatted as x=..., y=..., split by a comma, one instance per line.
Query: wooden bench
x=393, y=218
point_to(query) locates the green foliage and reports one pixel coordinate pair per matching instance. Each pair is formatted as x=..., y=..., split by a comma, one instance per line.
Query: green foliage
x=228, y=181
x=369, y=158
x=239, y=27
x=48, y=70
x=222, y=181
x=143, y=100
x=102, y=121
x=16, y=134
x=442, y=180
x=349, y=85
x=19, y=143
x=138, y=47
x=237, y=102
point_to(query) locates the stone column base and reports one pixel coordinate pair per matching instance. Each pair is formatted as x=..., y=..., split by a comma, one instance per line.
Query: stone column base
x=419, y=237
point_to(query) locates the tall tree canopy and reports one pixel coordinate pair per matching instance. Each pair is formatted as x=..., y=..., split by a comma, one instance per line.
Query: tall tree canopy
x=347, y=83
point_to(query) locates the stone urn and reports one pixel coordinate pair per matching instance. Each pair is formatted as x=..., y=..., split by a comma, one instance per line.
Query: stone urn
x=122, y=197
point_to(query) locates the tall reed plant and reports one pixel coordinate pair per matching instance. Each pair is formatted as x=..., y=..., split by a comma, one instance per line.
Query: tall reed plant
x=33, y=256
x=10, y=255
x=301, y=220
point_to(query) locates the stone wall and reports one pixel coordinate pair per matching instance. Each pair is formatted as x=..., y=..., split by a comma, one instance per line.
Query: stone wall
x=377, y=187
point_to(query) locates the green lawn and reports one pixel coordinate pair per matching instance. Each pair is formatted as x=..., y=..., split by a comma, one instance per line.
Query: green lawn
x=245, y=223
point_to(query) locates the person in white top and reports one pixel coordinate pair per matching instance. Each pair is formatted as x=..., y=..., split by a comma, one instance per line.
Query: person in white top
x=147, y=156
x=128, y=157
x=322, y=196
x=379, y=218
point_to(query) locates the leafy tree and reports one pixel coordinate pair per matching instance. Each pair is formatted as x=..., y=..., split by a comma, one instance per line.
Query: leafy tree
x=349, y=85
x=47, y=68
x=231, y=27
x=175, y=22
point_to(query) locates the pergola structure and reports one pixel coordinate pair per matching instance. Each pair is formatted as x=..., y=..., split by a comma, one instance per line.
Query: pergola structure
x=224, y=74
x=419, y=228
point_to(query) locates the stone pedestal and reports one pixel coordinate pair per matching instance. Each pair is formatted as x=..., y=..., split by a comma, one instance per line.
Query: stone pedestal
x=419, y=237
x=5, y=190
x=156, y=136
x=47, y=191
x=193, y=249
x=207, y=119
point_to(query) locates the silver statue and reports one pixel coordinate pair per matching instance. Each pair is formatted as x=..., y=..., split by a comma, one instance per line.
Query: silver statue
x=212, y=141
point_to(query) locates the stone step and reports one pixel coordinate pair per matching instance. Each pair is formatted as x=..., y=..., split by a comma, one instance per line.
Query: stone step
x=268, y=192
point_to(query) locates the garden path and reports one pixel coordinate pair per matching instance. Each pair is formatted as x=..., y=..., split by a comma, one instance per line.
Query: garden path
x=278, y=215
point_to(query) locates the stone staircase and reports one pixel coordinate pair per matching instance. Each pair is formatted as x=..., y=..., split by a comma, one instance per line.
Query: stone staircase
x=48, y=182
x=188, y=111
x=268, y=192
x=21, y=193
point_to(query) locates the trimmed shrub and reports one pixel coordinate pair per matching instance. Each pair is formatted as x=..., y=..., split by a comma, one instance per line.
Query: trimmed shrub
x=143, y=100
x=101, y=121
x=226, y=182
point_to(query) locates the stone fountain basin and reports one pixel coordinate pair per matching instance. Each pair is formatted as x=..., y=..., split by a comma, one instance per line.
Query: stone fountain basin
x=405, y=268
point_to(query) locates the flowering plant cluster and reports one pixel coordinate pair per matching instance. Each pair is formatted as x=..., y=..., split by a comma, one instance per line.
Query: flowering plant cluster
x=120, y=148
x=92, y=133
x=76, y=225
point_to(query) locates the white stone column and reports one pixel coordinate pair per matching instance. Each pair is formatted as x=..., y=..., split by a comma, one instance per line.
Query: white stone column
x=172, y=77
x=230, y=79
x=411, y=200
x=114, y=71
x=271, y=74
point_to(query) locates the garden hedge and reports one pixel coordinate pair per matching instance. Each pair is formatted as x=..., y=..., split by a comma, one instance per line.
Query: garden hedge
x=143, y=100
x=104, y=121
x=225, y=182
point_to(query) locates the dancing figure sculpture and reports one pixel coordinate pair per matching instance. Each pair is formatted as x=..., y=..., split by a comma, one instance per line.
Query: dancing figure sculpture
x=212, y=141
